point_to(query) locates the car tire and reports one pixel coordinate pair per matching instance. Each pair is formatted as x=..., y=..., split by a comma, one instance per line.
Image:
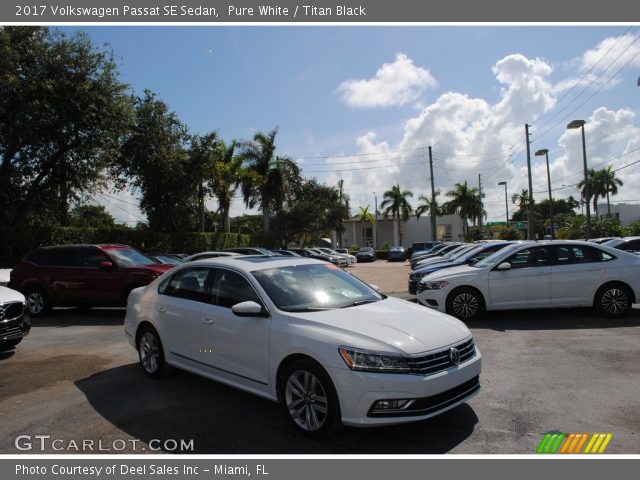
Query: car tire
x=465, y=303
x=9, y=344
x=151, y=353
x=37, y=301
x=309, y=399
x=613, y=300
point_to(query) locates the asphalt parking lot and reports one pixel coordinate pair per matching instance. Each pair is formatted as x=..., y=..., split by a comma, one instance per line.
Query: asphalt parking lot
x=76, y=378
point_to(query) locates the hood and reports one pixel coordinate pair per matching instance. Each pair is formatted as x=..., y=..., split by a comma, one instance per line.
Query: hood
x=390, y=325
x=457, y=271
x=9, y=295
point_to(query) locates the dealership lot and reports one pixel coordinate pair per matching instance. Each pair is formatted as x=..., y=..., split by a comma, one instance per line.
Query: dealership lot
x=76, y=378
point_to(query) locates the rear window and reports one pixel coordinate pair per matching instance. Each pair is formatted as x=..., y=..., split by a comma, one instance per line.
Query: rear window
x=55, y=257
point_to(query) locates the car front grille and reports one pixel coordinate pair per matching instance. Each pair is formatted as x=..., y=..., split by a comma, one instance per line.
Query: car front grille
x=439, y=361
x=11, y=310
x=9, y=332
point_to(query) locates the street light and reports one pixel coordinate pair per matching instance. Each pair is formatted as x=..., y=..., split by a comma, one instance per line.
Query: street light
x=540, y=153
x=506, y=201
x=580, y=124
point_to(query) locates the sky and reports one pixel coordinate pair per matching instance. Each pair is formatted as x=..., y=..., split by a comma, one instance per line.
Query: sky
x=362, y=103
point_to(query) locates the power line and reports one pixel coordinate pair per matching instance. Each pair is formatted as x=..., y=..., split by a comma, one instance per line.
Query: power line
x=359, y=154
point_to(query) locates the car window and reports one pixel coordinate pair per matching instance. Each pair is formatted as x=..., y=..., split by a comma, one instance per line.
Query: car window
x=631, y=246
x=128, y=257
x=230, y=288
x=189, y=283
x=60, y=257
x=529, y=257
x=572, y=254
x=602, y=255
x=91, y=258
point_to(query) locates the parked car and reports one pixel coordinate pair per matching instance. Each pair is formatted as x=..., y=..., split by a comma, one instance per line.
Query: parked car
x=603, y=239
x=434, y=249
x=560, y=273
x=162, y=258
x=249, y=250
x=422, y=246
x=437, y=251
x=5, y=274
x=455, y=252
x=366, y=254
x=286, y=253
x=628, y=244
x=15, y=323
x=305, y=334
x=312, y=253
x=396, y=254
x=351, y=259
x=342, y=250
x=467, y=257
x=82, y=275
x=214, y=254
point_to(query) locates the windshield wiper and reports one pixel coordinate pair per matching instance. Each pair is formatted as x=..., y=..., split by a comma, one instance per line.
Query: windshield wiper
x=358, y=302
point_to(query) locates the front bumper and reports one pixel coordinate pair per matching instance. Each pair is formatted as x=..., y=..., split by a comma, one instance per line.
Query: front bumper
x=16, y=327
x=433, y=394
x=435, y=299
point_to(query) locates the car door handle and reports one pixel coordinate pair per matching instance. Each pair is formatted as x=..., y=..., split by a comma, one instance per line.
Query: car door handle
x=208, y=321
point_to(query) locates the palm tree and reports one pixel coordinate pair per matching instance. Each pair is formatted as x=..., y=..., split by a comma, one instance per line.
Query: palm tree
x=270, y=180
x=395, y=202
x=427, y=207
x=522, y=199
x=338, y=209
x=228, y=175
x=610, y=183
x=596, y=188
x=364, y=215
x=466, y=202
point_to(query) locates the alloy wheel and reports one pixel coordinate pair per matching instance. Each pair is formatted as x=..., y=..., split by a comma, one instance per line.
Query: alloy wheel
x=615, y=301
x=149, y=352
x=306, y=400
x=465, y=305
x=35, y=302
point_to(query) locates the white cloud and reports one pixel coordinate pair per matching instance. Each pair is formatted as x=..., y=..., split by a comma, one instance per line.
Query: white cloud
x=394, y=84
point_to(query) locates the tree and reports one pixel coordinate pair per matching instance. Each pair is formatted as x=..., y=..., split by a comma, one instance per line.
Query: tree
x=271, y=180
x=522, y=199
x=228, y=175
x=427, y=207
x=95, y=216
x=203, y=153
x=610, y=183
x=155, y=161
x=63, y=110
x=395, y=202
x=596, y=188
x=364, y=215
x=466, y=202
x=337, y=210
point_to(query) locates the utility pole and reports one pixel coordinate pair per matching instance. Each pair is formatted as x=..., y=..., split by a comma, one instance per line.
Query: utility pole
x=433, y=199
x=530, y=204
x=375, y=223
x=201, y=195
x=480, y=193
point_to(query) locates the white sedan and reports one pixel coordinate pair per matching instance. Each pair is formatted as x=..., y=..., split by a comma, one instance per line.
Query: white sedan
x=538, y=275
x=306, y=334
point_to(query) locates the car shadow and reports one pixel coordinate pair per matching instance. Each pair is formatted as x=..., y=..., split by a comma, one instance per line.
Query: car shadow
x=70, y=317
x=551, y=319
x=223, y=420
x=6, y=354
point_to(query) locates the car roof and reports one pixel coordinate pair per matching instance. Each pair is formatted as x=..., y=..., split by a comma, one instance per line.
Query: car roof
x=250, y=263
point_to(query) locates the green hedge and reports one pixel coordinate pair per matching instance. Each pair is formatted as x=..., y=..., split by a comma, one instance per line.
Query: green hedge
x=15, y=244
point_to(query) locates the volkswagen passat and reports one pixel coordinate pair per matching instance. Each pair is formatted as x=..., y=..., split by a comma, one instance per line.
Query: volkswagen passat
x=304, y=333
x=537, y=275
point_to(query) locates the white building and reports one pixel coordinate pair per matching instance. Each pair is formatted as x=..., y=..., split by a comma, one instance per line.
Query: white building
x=625, y=212
x=448, y=228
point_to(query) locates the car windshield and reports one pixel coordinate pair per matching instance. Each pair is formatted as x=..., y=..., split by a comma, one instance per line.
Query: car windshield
x=309, y=288
x=364, y=250
x=613, y=243
x=128, y=257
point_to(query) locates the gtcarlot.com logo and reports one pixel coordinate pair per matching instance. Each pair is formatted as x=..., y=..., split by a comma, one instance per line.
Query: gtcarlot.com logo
x=558, y=442
x=45, y=443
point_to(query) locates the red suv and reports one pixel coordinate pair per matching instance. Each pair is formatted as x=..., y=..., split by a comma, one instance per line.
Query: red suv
x=82, y=276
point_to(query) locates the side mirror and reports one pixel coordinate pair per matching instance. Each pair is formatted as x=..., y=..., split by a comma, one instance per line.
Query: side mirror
x=504, y=266
x=248, y=309
x=105, y=265
x=375, y=287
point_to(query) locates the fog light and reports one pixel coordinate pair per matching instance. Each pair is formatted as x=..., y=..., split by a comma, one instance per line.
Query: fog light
x=381, y=405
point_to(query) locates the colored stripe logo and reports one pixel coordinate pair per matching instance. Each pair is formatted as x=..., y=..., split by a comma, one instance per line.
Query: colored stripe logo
x=558, y=442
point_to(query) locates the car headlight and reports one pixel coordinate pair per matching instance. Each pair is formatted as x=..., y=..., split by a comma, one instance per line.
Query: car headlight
x=434, y=285
x=363, y=361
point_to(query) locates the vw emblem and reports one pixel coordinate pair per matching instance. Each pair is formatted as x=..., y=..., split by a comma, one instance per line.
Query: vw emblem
x=454, y=355
x=2, y=313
